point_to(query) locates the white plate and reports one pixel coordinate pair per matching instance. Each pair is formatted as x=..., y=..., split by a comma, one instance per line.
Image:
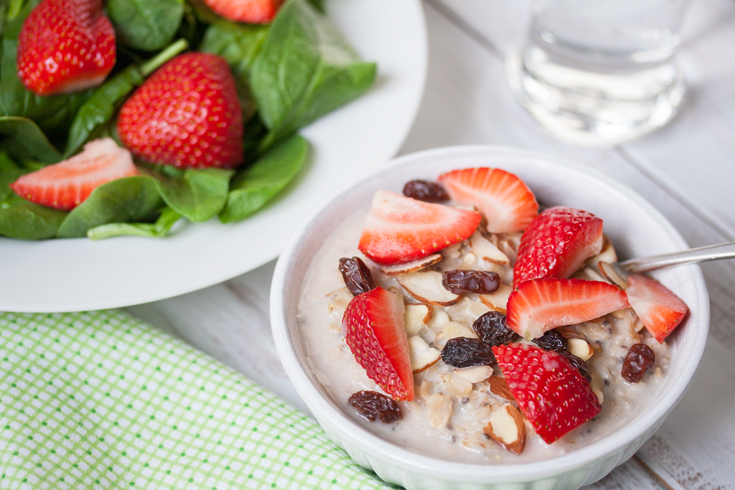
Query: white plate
x=79, y=274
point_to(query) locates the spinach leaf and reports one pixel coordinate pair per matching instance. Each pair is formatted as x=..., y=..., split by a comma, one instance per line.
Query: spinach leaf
x=198, y=195
x=54, y=113
x=148, y=25
x=99, y=110
x=21, y=138
x=155, y=230
x=28, y=221
x=254, y=187
x=238, y=44
x=130, y=199
x=304, y=70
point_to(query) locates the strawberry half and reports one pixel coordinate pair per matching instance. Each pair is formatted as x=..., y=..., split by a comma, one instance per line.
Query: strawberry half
x=557, y=243
x=65, y=184
x=399, y=229
x=186, y=114
x=505, y=200
x=252, y=11
x=550, y=392
x=65, y=46
x=540, y=305
x=660, y=310
x=373, y=328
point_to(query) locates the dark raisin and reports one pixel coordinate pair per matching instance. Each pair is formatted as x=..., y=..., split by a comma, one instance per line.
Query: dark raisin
x=356, y=275
x=552, y=340
x=464, y=352
x=373, y=405
x=461, y=282
x=578, y=364
x=492, y=330
x=640, y=357
x=424, y=190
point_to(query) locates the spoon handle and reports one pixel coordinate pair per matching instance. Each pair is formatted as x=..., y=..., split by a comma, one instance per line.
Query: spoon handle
x=694, y=255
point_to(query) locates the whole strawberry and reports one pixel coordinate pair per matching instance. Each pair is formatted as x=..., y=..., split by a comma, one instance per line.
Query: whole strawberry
x=373, y=329
x=550, y=391
x=65, y=46
x=253, y=11
x=187, y=114
x=556, y=244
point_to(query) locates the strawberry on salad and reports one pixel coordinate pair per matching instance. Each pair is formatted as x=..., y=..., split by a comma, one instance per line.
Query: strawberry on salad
x=186, y=114
x=253, y=11
x=65, y=46
x=67, y=184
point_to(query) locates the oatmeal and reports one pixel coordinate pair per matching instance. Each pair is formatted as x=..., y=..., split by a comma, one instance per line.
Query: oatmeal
x=459, y=402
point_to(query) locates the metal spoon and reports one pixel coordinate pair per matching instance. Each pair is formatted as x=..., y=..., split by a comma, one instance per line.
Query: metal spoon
x=691, y=256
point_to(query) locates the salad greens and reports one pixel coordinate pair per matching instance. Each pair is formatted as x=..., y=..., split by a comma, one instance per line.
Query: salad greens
x=288, y=74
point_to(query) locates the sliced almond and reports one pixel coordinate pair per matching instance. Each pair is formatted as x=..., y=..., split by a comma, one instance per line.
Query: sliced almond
x=439, y=408
x=439, y=318
x=422, y=354
x=580, y=348
x=456, y=387
x=473, y=307
x=607, y=254
x=468, y=262
x=426, y=286
x=409, y=267
x=611, y=275
x=487, y=251
x=455, y=329
x=596, y=386
x=506, y=427
x=498, y=300
x=425, y=389
x=474, y=374
x=499, y=386
x=415, y=318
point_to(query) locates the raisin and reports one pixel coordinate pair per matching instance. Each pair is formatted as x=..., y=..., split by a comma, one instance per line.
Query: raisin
x=492, y=330
x=464, y=352
x=426, y=191
x=461, y=282
x=552, y=340
x=578, y=364
x=356, y=275
x=640, y=357
x=373, y=405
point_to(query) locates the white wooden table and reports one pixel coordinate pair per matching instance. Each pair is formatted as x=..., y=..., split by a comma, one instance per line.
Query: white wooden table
x=687, y=170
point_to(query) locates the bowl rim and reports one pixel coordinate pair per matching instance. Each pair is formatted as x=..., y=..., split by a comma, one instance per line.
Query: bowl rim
x=375, y=446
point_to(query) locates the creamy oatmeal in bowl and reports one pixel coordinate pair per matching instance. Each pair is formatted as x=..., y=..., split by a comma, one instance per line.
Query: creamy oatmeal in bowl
x=443, y=328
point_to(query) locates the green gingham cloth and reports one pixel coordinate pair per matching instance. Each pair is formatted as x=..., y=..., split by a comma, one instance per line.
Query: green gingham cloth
x=101, y=400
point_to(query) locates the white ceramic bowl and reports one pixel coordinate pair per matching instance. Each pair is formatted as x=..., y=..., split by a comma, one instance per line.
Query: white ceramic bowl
x=635, y=227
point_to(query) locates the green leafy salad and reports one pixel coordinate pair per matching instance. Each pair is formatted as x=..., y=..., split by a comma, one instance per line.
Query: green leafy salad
x=287, y=73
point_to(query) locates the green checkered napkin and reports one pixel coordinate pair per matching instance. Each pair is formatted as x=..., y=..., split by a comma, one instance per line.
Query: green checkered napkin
x=100, y=399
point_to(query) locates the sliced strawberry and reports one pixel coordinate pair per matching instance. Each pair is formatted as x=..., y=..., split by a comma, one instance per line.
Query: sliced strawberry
x=550, y=392
x=540, y=305
x=373, y=328
x=252, y=11
x=65, y=184
x=65, y=46
x=660, y=310
x=186, y=114
x=556, y=244
x=399, y=229
x=506, y=202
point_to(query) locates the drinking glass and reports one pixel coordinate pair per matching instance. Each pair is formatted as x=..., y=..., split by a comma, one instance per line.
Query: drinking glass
x=598, y=72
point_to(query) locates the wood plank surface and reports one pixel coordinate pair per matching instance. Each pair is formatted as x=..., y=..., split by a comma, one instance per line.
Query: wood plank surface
x=467, y=102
